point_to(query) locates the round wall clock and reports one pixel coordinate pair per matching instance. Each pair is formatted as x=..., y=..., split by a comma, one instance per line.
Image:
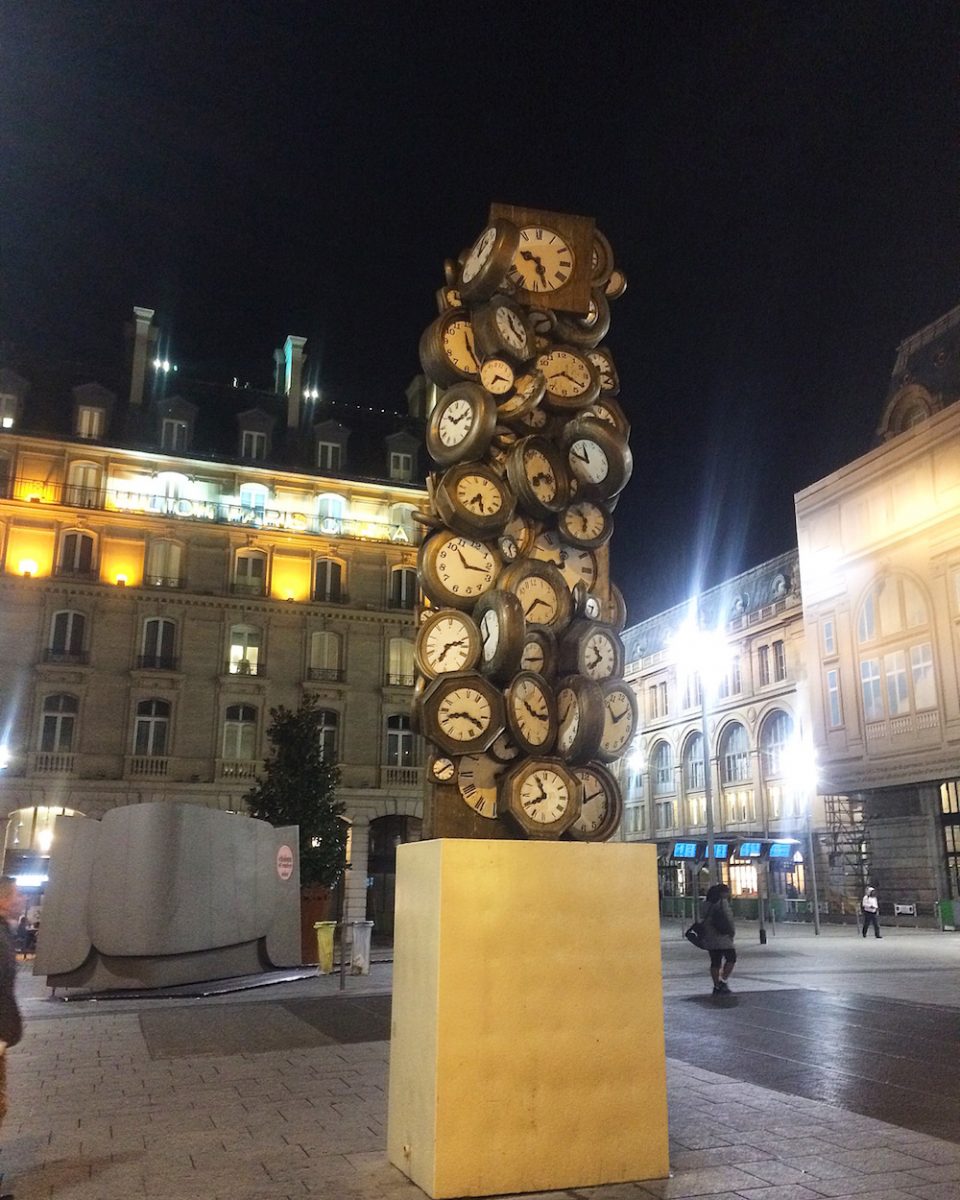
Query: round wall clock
x=488, y=261
x=598, y=458
x=447, y=350
x=602, y=359
x=579, y=717
x=606, y=408
x=504, y=749
x=572, y=379
x=447, y=641
x=592, y=649
x=531, y=712
x=602, y=808
x=461, y=424
x=462, y=713
x=543, y=261
x=456, y=571
x=472, y=499
x=500, y=327
x=441, y=769
x=542, y=795
x=538, y=475
x=575, y=564
x=497, y=376
x=586, y=524
x=589, y=330
x=499, y=618
x=478, y=776
x=541, y=590
x=616, y=285
x=620, y=716
x=539, y=653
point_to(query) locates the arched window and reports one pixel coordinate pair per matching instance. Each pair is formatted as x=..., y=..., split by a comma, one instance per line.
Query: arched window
x=734, y=754
x=67, y=631
x=151, y=733
x=245, y=646
x=403, y=587
x=401, y=516
x=331, y=509
x=83, y=485
x=693, y=778
x=400, y=662
x=163, y=564
x=897, y=677
x=401, y=743
x=325, y=656
x=58, y=723
x=661, y=768
x=327, y=729
x=240, y=732
x=253, y=498
x=893, y=605
x=328, y=581
x=250, y=572
x=76, y=554
x=159, y=644
x=775, y=734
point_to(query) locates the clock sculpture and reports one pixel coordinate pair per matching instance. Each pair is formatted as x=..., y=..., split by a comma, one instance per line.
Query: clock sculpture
x=520, y=687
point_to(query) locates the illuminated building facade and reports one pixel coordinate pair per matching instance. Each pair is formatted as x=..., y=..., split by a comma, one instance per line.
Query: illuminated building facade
x=178, y=558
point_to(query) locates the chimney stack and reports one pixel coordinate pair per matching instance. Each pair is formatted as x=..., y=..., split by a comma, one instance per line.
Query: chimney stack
x=293, y=379
x=144, y=335
x=279, y=371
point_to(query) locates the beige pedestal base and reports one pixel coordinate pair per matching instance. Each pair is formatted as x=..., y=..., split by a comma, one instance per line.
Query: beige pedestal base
x=527, y=1037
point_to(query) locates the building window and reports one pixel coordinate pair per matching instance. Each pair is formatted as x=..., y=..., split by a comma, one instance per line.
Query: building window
x=400, y=669
x=254, y=498
x=921, y=669
x=401, y=466
x=779, y=661
x=159, y=639
x=329, y=455
x=736, y=679
x=8, y=411
x=763, y=662
x=403, y=587
x=76, y=554
x=692, y=692
x=245, y=645
x=240, y=732
x=151, y=732
x=870, y=689
x=90, y=422
x=163, y=564
x=664, y=814
x=83, y=485
x=892, y=605
x=253, y=445
x=867, y=622
x=661, y=764
x=331, y=510
x=895, y=672
x=328, y=579
x=735, y=754
x=693, y=777
x=58, y=724
x=834, y=712
x=774, y=738
x=173, y=435
x=327, y=730
x=657, y=700
x=66, y=637
x=250, y=572
x=829, y=639
x=401, y=745
x=325, y=656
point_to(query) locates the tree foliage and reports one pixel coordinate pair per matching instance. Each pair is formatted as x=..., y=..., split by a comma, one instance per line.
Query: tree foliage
x=298, y=787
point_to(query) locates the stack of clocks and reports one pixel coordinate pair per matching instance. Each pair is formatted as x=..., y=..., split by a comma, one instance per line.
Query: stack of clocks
x=520, y=685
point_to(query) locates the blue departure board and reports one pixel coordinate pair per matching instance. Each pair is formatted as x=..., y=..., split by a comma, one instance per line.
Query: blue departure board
x=685, y=850
x=721, y=849
x=781, y=850
x=749, y=849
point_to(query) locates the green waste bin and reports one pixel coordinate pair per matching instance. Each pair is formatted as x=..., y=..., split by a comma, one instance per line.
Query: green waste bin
x=324, y=931
x=949, y=913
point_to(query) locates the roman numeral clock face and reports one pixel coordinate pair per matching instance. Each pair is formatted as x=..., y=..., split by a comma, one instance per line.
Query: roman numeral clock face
x=543, y=261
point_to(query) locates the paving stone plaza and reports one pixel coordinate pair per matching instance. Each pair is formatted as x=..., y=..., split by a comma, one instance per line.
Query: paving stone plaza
x=280, y=1092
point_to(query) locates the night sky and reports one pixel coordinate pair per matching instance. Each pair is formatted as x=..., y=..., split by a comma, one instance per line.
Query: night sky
x=779, y=182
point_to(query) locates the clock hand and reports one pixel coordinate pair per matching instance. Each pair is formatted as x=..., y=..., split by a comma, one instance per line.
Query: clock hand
x=594, y=795
x=617, y=719
x=598, y=659
x=563, y=374
x=528, y=611
x=450, y=646
x=465, y=716
x=478, y=500
x=583, y=457
x=468, y=566
x=457, y=420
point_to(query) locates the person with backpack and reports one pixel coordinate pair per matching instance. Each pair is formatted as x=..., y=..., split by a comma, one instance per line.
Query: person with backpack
x=719, y=931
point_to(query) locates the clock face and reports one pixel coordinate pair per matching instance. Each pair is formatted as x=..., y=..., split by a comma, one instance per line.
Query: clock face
x=478, y=254
x=543, y=261
x=602, y=806
x=443, y=769
x=504, y=749
x=512, y=330
x=527, y=393
x=568, y=375
x=496, y=375
x=609, y=379
x=509, y=550
x=521, y=530
x=529, y=712
x=587, y=461
x=464, y=714
x=568, y=718
x=458, y=346
x=584, y=523
x=619, y=720
x=573, y=562
x=489, y=634
x=457, y=570
x=599, y=655
x=541, y=605
x=544, y=796
x=479, y=495
x=540, y=474
x=534, y=656
x=455, y=422
x=447, y=643
x=477, y=777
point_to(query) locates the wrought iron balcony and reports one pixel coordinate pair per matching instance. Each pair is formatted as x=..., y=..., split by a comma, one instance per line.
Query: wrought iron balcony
x=326, y=674
x=157, y=662
x=78, y=658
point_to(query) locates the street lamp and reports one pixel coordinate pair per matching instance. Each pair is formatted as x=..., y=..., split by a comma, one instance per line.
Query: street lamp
x=704, y=653
x=800, y=774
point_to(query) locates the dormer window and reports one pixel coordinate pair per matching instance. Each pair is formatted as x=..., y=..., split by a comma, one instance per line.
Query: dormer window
x=8, y=411
x=90, y=423
x=401, y=466
x=253, y=445
x=173, y=434
x=329, y=456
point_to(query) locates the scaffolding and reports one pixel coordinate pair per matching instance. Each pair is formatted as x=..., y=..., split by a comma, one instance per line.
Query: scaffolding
x=848, y=860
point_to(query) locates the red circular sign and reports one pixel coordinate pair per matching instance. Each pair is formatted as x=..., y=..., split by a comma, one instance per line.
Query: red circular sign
x=284, y=862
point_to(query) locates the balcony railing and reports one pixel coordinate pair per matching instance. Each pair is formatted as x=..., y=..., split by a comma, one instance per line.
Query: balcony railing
x=407, y=777
x=248, y=587
x=218, y=512
x=400, y=680
x=237, y=768
x=326, y=674
x=80, y=658
x=157, y=662
x=164, y=581
x=245, y=667
x=66, y=571
x=53, y=763
x=405, y=603
x=322, y=596
x=153, y=766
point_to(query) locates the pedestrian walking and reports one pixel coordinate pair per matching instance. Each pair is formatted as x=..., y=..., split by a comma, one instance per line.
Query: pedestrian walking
x=11, y=1026
x=870, y=907
x=719, y=931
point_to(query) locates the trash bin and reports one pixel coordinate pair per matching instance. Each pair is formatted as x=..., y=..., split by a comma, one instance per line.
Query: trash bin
x=324, y=931
x=360, y=947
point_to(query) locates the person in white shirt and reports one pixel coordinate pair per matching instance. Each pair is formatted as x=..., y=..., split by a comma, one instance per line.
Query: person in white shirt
x=870, y=906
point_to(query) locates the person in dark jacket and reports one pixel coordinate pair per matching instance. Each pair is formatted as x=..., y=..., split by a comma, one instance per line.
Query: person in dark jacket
x=718, y=934
x=11, y=1026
